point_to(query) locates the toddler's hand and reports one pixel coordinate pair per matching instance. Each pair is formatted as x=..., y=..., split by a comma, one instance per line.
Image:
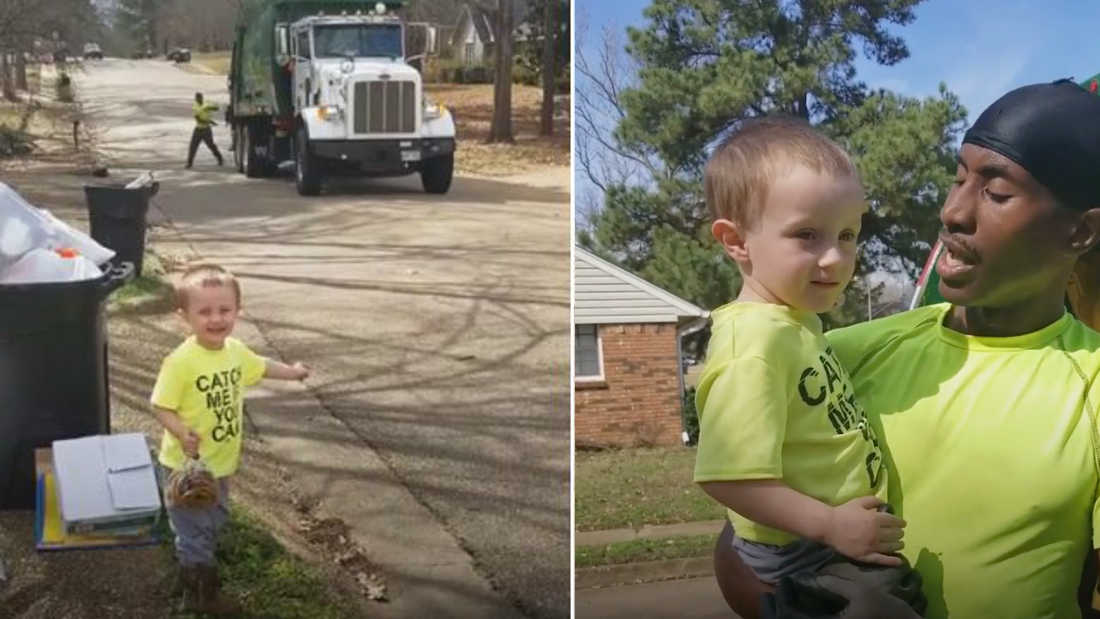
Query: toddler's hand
x=301, y=372
x=190, y=443
x=859, y=531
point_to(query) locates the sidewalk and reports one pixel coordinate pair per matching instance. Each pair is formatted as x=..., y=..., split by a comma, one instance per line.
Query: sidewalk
x=645, y=571
x=428, y=574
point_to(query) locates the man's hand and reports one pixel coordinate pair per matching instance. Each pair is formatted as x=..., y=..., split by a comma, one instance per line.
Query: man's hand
x=859, y=531
x=807, y=595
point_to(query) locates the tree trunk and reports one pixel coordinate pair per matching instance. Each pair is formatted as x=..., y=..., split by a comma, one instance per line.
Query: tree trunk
x=20, y=70
x=5, y=77
x=549, y=36
x=501, y=129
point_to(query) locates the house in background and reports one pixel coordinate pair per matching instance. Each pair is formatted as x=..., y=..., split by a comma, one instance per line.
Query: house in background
x=628, y=377
x=474, y=36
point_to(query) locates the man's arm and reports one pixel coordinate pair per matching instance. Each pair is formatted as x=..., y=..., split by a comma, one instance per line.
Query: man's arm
x=1087, y=591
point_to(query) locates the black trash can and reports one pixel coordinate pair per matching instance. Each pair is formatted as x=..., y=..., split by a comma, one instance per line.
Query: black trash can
x=53, y=372
x=117, y=219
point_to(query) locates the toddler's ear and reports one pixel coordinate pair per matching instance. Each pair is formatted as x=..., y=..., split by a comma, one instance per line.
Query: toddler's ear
x=730, y=236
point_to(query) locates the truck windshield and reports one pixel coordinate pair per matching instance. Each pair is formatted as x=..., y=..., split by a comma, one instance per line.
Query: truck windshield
x=360, y=40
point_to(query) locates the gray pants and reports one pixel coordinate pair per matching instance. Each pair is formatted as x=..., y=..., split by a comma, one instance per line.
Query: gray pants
x=771, y=563
x=197, y=529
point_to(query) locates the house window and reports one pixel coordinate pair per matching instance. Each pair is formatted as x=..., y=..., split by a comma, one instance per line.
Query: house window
x=588, y=361
x=469, y=54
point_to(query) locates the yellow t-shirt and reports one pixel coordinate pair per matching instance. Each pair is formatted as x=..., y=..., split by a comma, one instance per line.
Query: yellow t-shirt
x=991, y=449
x=205, y=388
x=201, y=112
x=774, y=403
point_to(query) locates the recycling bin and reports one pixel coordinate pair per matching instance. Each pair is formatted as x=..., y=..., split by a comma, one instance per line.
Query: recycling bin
x=117, y=219
x=53, y=372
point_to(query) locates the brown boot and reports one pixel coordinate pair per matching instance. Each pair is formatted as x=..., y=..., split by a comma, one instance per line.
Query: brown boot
x=188, y=584
x=211, y=598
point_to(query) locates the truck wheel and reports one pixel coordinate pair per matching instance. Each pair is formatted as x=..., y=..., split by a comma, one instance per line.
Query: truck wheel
x=253, y=167
x=437, y=172
x=238, y=146
x=307, y=175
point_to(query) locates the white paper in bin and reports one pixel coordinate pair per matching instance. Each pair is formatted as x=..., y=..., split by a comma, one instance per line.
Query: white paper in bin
x=24, y=227
x=41, y=266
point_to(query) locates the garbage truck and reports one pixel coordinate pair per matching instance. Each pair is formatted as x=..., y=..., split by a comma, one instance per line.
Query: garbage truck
x=329, y=85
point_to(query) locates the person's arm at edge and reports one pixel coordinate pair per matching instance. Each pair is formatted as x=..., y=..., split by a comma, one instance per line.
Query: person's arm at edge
x=1089, y=588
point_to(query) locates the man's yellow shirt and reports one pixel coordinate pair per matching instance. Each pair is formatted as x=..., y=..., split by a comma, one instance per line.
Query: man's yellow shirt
x=991, y=447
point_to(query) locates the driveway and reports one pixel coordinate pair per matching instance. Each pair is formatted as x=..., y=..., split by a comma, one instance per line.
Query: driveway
x=437, y=327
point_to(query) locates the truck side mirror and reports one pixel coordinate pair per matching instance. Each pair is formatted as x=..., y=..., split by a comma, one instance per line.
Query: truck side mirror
x=282, y=40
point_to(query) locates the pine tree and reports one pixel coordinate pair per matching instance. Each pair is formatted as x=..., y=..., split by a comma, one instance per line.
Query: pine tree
x=706, y=65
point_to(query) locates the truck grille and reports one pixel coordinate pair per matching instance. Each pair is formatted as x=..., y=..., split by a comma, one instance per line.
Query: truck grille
x=385, y=107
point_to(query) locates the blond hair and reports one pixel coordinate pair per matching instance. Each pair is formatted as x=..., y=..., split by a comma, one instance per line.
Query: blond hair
x=743, y=167
x=205, y=276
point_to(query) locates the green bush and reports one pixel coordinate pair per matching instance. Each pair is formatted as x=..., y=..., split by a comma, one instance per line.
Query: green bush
x=691, y=416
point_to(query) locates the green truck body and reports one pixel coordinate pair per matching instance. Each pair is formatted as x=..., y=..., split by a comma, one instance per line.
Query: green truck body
x=258, y=84
x=327, y=87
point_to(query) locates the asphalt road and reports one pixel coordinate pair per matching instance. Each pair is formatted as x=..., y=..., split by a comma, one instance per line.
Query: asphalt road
x=692, y=598
x=436, y=326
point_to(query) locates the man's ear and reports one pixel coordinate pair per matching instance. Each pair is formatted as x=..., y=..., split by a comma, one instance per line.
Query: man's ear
x=732, y=239
x=1086, y=234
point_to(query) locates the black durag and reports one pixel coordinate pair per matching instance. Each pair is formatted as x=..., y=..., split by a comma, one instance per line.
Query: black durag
x=1053, y=132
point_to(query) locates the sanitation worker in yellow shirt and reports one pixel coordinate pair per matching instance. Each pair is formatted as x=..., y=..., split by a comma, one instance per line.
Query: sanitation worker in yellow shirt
x=203, y=132
x=987, y=404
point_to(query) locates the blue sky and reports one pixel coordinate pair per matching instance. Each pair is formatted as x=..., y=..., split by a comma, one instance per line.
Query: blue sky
x=980, y=49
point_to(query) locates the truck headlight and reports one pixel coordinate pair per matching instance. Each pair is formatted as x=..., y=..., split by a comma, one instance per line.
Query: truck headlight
x=329, y=112
x=431, y=112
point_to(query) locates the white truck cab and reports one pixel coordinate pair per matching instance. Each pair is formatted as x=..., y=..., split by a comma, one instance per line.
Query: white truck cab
x=359, y=105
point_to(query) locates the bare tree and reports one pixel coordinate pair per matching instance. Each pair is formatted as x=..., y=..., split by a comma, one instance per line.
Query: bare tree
x=598, y=154
x=549, y=36
x=501, y=129
x=17, y=22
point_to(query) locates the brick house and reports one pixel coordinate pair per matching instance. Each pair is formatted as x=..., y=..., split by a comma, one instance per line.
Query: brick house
x=627, y=377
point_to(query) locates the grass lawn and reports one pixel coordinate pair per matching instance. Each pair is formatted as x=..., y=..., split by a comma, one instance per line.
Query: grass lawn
x=634, y=487
x=639, y=550
x=271, y=582
x=215, y=61
x=152, y=284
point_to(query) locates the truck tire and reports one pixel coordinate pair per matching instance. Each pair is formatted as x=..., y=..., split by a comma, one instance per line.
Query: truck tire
x=238, y=146
x=253, y=166
x=307, y=175
x=437, y=172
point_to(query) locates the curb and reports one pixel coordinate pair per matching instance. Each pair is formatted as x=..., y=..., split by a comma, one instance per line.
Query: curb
x=611, y=536
x=649, y=571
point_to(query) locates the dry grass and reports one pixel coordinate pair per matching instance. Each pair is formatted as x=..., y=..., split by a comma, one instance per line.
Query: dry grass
x=216, y=62
x=472, y=107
